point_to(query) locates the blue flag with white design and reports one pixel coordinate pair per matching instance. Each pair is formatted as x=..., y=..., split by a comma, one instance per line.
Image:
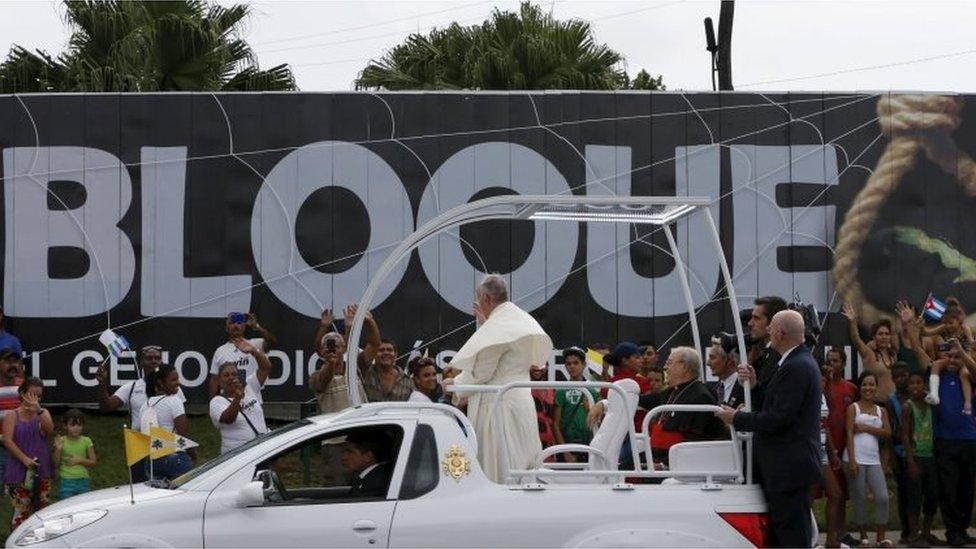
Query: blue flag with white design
x=114, y=343
x=933, y=309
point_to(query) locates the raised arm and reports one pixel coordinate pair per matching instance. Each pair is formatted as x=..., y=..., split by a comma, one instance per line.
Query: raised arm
x=269, y=338
x=264, y=364
x=325, y=326
x=322, y=378
x=107, y=402
x=372, y=332
x=868, y=358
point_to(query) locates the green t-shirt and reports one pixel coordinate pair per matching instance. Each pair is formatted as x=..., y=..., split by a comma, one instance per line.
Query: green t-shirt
x=77, y=449
x=573, y=414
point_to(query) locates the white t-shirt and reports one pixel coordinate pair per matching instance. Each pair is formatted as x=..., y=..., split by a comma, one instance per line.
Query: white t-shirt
x=229, y=353
x=417, y=396
x=161, y=411
x=133, y=397
x=234, y=434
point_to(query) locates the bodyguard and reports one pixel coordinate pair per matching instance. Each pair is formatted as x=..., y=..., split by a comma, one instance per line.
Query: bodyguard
x=787, y=432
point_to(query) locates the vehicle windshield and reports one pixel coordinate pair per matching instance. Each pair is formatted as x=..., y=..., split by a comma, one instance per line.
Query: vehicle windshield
x=203, y=468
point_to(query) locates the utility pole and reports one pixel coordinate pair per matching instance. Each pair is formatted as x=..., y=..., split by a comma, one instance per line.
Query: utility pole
x=721, y=51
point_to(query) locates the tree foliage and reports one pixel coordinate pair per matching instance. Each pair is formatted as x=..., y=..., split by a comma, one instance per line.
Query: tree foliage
x=142, y=46
x=511, y=51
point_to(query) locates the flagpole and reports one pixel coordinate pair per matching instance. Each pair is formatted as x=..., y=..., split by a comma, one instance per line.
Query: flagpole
x=132, y=494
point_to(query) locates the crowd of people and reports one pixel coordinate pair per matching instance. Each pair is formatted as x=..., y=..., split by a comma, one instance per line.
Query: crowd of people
x=907, y=418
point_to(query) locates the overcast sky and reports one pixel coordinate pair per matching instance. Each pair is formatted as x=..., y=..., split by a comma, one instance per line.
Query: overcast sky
x=327, y=43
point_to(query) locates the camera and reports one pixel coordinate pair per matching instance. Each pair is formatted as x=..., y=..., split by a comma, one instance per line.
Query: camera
x=811, y=320
x=330, y=345
x=729, y=342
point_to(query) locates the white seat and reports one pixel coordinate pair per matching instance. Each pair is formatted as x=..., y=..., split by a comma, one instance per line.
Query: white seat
x=604, y=449
x=713, y=455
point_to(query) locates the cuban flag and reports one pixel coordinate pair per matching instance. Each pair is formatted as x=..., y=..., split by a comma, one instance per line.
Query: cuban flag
x=933, y=309
x=114, y=343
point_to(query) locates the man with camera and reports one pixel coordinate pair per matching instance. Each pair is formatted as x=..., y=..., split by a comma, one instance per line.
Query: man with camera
x=955, y=434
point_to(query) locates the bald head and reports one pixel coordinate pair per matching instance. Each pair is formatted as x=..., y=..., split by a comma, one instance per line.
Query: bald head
x=788, y=328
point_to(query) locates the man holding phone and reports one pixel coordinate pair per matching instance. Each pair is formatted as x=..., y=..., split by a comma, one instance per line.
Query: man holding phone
x=236, y=325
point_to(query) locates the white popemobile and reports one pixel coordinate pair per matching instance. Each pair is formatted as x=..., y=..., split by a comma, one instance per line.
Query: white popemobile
x=273, y=491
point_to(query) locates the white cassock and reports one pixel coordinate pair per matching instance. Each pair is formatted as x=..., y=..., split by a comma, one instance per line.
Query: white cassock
x=502, y=350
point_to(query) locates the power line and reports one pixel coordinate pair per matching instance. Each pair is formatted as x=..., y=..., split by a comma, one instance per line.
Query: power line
x=865, y=68
x=463, y=22
x=371, y=25
x=337, y=62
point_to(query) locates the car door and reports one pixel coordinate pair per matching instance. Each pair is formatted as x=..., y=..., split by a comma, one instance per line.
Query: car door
x=318, y=510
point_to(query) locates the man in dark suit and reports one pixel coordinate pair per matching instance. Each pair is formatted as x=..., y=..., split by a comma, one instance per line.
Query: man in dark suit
x=366, y=458
x=722, y=363
x=787, y=432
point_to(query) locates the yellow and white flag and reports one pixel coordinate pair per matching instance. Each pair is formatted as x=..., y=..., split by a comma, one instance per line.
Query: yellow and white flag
x=164, y=443
x=594, y=361
x=136, y=446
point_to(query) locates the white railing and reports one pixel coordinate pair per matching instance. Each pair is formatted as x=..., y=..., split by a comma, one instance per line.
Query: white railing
x=639, y=442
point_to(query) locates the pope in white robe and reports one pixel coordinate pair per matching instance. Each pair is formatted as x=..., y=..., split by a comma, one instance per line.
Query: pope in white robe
x=502, y=350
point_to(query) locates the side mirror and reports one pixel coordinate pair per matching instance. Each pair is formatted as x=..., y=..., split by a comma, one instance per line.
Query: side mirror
x=251, y=495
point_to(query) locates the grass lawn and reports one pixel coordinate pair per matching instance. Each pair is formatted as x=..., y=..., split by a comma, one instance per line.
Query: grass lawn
x=106, y=432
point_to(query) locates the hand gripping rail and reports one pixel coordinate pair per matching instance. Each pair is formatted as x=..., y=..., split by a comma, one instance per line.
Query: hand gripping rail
x=500, y=390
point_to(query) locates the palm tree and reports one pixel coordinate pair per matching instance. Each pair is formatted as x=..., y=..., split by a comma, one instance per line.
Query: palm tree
x=511, y=51
x=144, y=45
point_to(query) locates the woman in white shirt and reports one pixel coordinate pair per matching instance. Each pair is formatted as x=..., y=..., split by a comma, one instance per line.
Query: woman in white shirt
x=424, y=373
x=867, y=425
x=237, y=411
x=164, y=409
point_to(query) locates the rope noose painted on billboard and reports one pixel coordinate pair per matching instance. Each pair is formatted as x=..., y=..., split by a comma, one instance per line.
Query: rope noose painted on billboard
x=915, y=123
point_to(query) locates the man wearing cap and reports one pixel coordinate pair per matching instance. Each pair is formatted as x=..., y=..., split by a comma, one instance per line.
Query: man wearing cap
x=132, y=395
x=11, y=377
x=236, y=325
x=626, y=359
x=506, y=344
x=7, y=339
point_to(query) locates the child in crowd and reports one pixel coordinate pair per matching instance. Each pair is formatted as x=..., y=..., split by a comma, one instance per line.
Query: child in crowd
x=964, y=378
x=28, y=469
x=923, y=478
x=74, y=453
x=572, y=405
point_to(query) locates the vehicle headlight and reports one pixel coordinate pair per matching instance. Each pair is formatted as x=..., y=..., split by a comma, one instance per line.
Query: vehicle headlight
x=59, y=525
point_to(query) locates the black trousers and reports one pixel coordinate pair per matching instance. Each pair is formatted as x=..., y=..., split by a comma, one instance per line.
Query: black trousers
x=901, y=488
x=789, y=511
x=956, y=462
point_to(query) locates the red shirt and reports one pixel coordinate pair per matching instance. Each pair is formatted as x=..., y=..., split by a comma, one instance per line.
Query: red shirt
x=645, y=387
x=840, y=394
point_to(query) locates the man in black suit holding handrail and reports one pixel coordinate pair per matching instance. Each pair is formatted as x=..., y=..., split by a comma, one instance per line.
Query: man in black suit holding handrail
x=787, y=432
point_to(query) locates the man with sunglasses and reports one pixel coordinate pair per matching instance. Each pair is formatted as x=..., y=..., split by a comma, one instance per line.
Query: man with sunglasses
x=236, y=325
x=132, y=395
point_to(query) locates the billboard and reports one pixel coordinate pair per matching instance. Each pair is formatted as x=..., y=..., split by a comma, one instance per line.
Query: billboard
x=157, y=214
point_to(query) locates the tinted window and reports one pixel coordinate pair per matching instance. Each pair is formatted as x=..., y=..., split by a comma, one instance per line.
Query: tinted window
x=422, y=471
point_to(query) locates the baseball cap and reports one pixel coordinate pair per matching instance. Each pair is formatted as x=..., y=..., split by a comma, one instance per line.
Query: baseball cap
x=574, y=351
x=626, y=349
x=7, y=352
